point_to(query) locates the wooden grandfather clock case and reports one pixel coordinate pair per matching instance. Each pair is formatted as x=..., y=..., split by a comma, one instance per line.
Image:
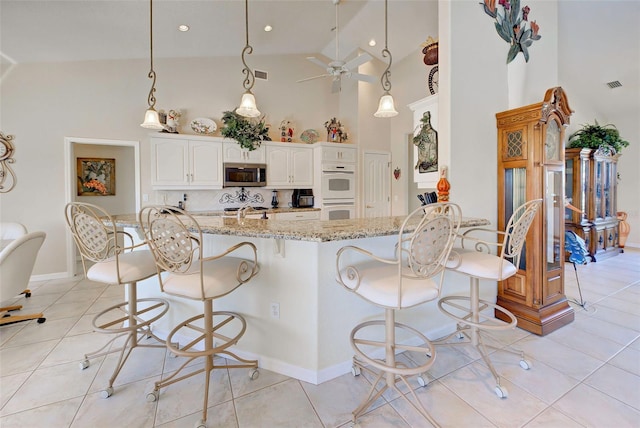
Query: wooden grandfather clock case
x=531, y=142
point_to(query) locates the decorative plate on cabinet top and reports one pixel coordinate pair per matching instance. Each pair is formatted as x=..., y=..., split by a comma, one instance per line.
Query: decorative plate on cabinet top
x=309, y=136
x=202, y=125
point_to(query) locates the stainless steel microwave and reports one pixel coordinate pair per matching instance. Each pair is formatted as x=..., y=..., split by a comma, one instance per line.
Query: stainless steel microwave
x=245, y=174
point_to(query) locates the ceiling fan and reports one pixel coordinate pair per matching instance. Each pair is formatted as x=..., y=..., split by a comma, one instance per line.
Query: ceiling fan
x=338, y=68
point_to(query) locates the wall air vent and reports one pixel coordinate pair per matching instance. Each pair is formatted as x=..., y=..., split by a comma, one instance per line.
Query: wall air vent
x=614, y=84
x=261, y=75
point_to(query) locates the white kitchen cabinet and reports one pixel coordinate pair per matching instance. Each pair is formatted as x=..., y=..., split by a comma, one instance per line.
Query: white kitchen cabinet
x=337, y=152
x=181, y=163
x=234, y=153
x=300, y=215
x=289, y=166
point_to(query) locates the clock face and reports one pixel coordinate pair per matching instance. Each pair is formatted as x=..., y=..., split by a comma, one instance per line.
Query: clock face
x=552, y=141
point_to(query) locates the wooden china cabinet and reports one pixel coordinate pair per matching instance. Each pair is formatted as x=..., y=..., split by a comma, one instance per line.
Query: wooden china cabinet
x=531, y=141
x=591, y=187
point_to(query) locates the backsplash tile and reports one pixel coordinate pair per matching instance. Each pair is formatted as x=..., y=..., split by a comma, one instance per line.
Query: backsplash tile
x=214, y=200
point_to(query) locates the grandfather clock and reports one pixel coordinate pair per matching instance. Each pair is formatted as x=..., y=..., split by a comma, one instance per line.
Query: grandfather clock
x=531, y=142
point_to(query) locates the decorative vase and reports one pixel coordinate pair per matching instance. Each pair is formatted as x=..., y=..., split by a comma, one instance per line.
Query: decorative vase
x=516, y=80
x=624, y=228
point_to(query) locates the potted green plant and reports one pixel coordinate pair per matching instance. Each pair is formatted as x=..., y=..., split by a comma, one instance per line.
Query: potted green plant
x=604, y=137
x=249, y=133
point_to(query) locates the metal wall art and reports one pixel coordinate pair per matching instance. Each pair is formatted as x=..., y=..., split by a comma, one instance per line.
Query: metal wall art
x=6, y=158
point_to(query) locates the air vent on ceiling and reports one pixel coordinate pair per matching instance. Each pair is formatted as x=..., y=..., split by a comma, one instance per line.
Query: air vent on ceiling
x=261, y=75
x=614, y=84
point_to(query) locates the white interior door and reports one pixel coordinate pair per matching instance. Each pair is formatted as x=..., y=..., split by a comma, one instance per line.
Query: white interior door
x=377, y=184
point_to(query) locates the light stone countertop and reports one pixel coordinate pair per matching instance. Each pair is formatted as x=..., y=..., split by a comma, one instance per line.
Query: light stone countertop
x=300, y=230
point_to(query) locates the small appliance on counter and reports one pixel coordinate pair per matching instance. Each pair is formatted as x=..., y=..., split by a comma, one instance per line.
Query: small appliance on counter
x=302, y=198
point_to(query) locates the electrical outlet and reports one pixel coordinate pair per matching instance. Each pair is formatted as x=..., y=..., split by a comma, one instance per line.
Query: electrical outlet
x=145, y=197
x=275, y=310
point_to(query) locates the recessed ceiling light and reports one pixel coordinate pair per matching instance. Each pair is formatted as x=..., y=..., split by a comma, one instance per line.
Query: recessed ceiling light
x=268, y=28
x=372, y=42
x=183, y=28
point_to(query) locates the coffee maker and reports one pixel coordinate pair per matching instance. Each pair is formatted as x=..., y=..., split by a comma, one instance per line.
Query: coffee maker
x=302, y=198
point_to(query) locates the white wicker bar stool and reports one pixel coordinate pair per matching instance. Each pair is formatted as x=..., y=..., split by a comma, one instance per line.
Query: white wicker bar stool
x=475, y=260
x=412, y=277
x=114, y=262
x=175, y=238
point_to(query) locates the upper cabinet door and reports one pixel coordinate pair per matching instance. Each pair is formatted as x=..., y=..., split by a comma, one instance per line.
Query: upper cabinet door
x=170, y=162
x=234, y=153
x=301, y=167
x=206, y=163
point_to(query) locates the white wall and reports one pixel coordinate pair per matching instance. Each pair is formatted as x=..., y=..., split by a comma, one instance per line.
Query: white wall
x=124, y=200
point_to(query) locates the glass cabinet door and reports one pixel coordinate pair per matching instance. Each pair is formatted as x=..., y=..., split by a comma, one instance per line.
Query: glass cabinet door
x=584, y=186
x=568, y=189
x=599, y=190
x=554, y=206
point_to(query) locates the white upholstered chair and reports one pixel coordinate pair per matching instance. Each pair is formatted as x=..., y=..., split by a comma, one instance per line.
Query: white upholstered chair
x=176, y=240
x=110, y=256
x=411, y=277
x=475, y=259
x=11, y=230
x=16, y=265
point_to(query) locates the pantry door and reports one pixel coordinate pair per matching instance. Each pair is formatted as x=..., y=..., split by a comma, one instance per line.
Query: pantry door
x=377, y=184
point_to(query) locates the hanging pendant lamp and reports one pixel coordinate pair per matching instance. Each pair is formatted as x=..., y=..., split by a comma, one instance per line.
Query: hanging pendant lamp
x=151, y=117
x=386, y=106
x=248, y=106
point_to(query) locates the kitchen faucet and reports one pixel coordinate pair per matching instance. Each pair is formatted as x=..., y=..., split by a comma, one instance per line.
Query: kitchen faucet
x=242, y=212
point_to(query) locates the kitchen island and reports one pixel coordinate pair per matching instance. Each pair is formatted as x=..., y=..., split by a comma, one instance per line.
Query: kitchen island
x=298, y=317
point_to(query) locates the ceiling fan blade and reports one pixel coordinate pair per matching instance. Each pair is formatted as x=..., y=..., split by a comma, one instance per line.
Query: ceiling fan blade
x=358, y=61
x=314, y=77
x=363, y=77
x=336, y=85
x=316, y=61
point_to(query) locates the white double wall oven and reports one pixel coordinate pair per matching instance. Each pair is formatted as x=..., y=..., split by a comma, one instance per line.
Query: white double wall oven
x=336, y=180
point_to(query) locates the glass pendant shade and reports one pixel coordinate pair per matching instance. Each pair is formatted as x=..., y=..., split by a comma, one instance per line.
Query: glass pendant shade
x=151, y=119
x=248, y=106
x=386, y=107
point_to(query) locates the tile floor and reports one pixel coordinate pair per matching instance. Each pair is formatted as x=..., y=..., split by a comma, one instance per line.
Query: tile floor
x=586, y=374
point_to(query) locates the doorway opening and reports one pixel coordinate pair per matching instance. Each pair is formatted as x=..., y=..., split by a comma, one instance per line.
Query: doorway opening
x=127, y=194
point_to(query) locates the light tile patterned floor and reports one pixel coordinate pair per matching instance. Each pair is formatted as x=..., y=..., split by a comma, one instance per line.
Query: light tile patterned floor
x=586, y=374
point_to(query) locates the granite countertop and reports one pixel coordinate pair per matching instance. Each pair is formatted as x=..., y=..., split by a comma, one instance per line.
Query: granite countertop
x=300, y=230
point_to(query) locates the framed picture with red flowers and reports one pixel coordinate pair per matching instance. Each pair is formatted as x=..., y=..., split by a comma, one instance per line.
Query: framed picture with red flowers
x=96, y=177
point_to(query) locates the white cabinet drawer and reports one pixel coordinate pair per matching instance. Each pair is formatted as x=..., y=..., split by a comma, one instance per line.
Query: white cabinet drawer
x=302, y=215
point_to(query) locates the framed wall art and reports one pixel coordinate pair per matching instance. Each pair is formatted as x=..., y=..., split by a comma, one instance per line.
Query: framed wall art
x=96, y=177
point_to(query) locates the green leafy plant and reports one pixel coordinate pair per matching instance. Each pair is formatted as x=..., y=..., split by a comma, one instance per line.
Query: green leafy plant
x=249, y=133
x=598, y=136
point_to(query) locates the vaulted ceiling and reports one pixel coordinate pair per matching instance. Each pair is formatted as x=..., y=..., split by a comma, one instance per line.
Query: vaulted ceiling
x=599, y=40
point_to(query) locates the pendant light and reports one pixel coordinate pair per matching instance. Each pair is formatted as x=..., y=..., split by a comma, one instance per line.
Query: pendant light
x=248, y=106
x=151, y=117
x=386, y=107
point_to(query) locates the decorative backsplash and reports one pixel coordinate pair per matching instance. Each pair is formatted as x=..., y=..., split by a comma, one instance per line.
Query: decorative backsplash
x=215, y=200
